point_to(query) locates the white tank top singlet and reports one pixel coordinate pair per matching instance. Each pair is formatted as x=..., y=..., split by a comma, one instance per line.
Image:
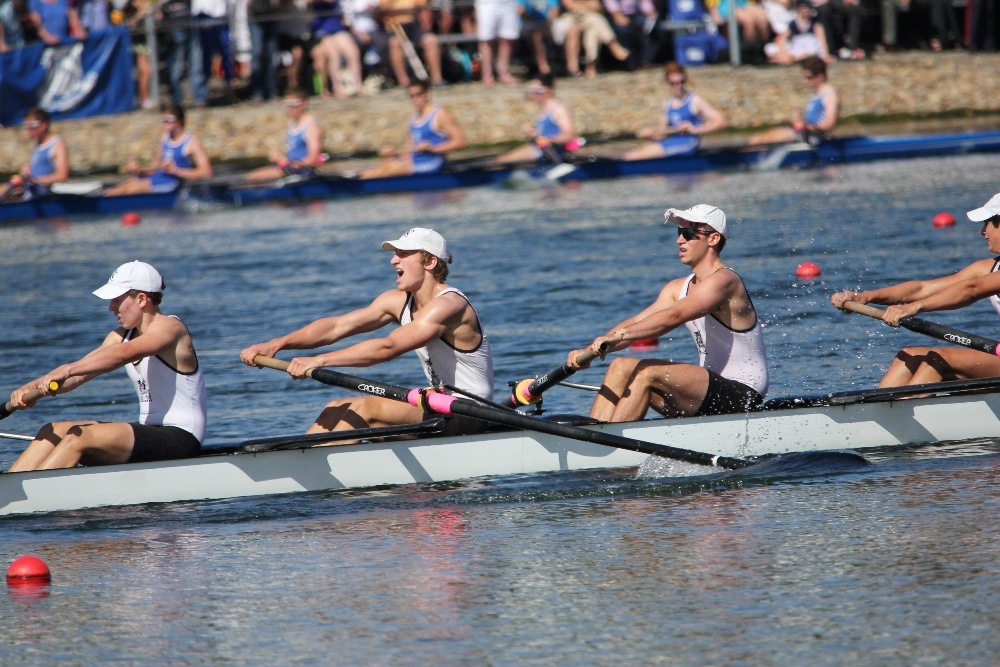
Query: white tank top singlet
x=995, y=300
x=735, y=355
x=471, y=370
x=168, y=397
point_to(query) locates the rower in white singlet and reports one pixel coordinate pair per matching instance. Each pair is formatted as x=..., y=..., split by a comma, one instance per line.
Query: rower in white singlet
x=436, y=321
x=714, y=304
x=979, y=280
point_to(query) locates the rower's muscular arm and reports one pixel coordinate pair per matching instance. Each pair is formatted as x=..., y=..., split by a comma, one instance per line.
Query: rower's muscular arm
x=913, y=290
x=956, y=295
x=714, y=120
x=328, y=330
x=448, y=126
x=434, y=321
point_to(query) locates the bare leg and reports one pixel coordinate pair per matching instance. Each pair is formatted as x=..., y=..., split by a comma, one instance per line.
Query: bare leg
x=541, y=57
x=648, y=150
x=432, y=56
x=318, y=54
x=486, y=60
x=503, y=61
x=397, y=60
x=349, y=50
x=922, y=365
x=364, y=412
x=66, y=444
x=130, y=187
x=572, y=47
x=632, y=386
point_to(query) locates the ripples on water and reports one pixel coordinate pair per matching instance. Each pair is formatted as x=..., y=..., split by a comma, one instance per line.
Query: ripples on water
x=812, y=563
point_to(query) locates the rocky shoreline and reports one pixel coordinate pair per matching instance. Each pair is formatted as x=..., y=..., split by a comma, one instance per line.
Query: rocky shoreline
x=897, y=92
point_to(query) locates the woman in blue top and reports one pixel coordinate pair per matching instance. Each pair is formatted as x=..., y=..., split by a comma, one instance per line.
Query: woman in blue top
x=434, y=133
x=553, y=132
x=49, y=160
x=820, y=117
x=181, y=158
x=686, y=117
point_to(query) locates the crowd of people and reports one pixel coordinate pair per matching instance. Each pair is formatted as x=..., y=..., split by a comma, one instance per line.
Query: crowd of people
x=338, y=48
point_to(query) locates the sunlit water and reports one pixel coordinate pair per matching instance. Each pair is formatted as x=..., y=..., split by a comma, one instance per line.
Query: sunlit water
x=820, y=564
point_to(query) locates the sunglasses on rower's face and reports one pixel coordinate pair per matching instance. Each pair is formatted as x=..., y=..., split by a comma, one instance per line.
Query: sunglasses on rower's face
x=166, y=120
x=690, y=233
x=291, y=104
x=537, y=90
x=32, y=125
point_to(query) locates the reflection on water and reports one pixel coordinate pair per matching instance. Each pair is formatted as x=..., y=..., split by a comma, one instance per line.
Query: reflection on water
x=820, y=563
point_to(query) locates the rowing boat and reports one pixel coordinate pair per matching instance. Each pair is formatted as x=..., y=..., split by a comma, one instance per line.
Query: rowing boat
x=224, y=191
x=418, y=454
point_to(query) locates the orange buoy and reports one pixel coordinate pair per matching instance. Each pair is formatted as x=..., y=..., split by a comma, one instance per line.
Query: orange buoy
x=807, y=270
x=645, y=343
x=130, y=219
x=28, y=569
x=944, y=219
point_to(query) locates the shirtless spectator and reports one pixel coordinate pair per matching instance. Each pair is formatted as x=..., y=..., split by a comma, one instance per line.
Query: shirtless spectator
x=401, y=23
x=584, y=22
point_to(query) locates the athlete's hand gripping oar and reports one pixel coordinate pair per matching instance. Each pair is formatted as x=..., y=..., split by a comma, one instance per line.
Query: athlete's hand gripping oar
x=446, y=404
x=30, y=397
x=931, y=329
x=530, y=391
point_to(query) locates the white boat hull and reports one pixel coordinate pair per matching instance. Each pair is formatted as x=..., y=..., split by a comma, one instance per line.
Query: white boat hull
x=799, y=429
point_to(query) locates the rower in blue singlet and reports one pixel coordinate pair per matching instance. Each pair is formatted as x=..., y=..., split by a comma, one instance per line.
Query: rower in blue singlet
x=303, y=144
x=434, y=133
x=552, y=133
x=686, y=117
x=49, y=162
x=979, y=280
x=181, y=158
x=820, y=117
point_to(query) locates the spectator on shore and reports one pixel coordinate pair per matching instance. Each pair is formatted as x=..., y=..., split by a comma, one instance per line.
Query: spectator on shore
x=583, y=21
x=212, y=20
x=982, y=35
x=182, y=47
x=402, y=24
x=820, y=117
x=11, y=30
x=262, y=16
x=372, y=40
x=181, y=158
x=95, y=15
x=805, y=37
x=944, y=28
x=293, y=40
x=536, y=21
x=132, y=13
x=333, y=42
x=498, y=23
x=841, y=20
x=634, y=23
x=55, y=21
x=755, y=29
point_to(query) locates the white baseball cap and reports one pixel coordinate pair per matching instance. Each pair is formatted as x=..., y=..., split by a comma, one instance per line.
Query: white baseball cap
x=421, y=238
x=702, y=214
x=986, y=211
x=131, y=276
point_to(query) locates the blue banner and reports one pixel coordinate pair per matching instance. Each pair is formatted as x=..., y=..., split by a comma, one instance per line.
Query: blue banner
x=72, y=80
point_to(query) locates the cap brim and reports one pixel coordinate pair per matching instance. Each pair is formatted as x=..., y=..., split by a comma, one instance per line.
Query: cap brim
x=110, y=291
x=980, y=214
x=401, y=244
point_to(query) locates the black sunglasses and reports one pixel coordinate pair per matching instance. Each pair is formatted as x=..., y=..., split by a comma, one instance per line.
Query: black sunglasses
x=690, y=233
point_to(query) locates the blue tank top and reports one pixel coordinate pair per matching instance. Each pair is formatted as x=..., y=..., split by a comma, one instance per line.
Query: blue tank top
x=545, y=126
x=816, y=109
x=678, y=115
x=54, y=16
x=172, y=151
x=41, y=158
x=296, y=144
x=425, y=133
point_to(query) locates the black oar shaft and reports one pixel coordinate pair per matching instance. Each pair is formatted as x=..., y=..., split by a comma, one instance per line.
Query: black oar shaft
x=932, y=329
x=527, y=392
x=446, y=404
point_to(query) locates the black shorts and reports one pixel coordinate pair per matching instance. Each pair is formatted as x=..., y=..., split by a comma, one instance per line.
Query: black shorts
x=459, y=424
x=162, y=443
x=726, y=396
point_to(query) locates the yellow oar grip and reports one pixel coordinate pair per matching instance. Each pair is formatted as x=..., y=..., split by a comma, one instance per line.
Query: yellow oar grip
x=54, y=386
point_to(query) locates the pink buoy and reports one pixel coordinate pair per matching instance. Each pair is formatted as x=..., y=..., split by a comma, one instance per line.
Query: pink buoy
x=645, y=343
x=131, y=219
x=807, y=270
x=944, y=219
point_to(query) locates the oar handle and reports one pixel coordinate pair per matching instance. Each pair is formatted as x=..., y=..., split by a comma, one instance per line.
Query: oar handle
x=30, y=397
x=932, y=329
x=270, y=362
x=530, y=391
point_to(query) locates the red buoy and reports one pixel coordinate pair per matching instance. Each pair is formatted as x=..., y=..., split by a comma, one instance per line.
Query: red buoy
x=130, y=219
x=645, y=343
x=807, y=270
x=16, y=181
x=28, y=569
x=944, y=219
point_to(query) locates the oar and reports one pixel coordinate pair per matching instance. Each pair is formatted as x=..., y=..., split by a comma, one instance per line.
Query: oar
x=446, y=404
x=30, y=397
x=409, y=51
x=931, y=329
x=15, y=436
x=530, y=391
